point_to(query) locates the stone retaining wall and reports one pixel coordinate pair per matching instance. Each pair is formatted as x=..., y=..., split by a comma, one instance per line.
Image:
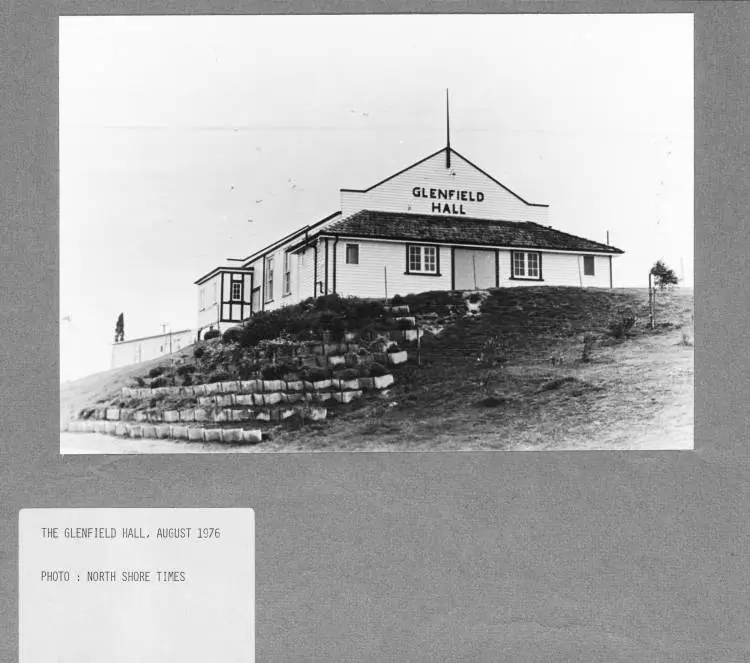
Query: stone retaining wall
x=265, y=387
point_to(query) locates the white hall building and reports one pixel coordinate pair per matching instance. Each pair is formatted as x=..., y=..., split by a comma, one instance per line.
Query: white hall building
x=440, y=224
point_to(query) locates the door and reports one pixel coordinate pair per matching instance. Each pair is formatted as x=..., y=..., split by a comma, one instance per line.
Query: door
x=474, y=269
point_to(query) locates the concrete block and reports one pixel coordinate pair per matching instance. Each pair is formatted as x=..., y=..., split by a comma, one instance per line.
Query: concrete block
x=212, y=387
x=259, y=399
x=89, y=426
x=148, y=430
x=195, y=434
x=199, y=390
x=273, y=398
x=230, y=387
x=324, y=396
x=127, y=414
x=221, y=416
x=294, y=386
x=272, y=385
x=292, y=398
x=110, y=427
x=239, y=415
x=135, y=430
x=263, y=416
x=336, y=360
x=348, y=385
x=98, y=426
x=140, y=415
x=286, y=413
x=113, y=414
x=232, y=435
x=366, y=383
x=205, y=401
x=162, y=431
x=244, y=399
x=317, y=413
x=225, y=401
x=179, y=432
x=201, y=414
x=252, y=436
x=397, y=357
x=322, y=384
x=171, y=416
x=382, y=381
x=120, y=429
x=187, y=415
x=213, y=435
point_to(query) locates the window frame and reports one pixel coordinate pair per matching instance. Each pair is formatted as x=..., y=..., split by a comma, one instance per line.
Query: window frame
x=593, y=266
x=355, y=249
x=268, y=279
x=287, y=285
x=422, y=254
x=525, y=264
x=232, y=297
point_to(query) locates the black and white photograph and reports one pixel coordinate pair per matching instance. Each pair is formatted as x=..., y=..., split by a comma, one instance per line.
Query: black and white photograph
x=372, y=233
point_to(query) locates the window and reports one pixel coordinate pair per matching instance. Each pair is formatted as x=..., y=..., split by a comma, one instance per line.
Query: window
x=215, y=290
x=287, y=275
x=588, y=265
x=421, y=259
x=202, y=298
x=236, y=291
x=269, y=279
x=255, y=300
x=527, y=265
x=352, y=254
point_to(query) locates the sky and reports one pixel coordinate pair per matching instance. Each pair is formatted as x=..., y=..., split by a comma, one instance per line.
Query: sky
x=187, y=140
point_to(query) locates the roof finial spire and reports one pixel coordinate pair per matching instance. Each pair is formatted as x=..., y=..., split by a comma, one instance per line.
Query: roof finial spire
x=447, y=130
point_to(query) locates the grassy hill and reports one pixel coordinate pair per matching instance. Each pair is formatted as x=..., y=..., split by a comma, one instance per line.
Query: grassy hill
x=516, y=368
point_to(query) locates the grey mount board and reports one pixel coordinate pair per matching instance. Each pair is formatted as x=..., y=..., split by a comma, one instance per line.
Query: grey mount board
x=463, y=557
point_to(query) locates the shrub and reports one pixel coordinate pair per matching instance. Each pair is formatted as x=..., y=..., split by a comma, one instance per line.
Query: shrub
x=199, y=351
x=232, y=335
x=140, y=382
x=394, y=347
x=276, y=371
x=219, y=376
x=618, y=328
x=475, y=298
x=376, y=370
x=349, y=374
x=160, y=381
x=397, y=300
x=156, y=371
x=316, y=374
x=211, y=333
x=404, y=323
x=185, y=369
x=187, y=379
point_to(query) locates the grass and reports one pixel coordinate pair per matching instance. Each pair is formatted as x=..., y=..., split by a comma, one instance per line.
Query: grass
x=529, y=387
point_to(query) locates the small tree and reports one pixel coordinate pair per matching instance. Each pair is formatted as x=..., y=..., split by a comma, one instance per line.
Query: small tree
x=663, y=275
x=120, y=328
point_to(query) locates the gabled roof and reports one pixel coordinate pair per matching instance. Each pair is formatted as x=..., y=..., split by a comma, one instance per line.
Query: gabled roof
x=274, y=245
x=433, y=229
x=434, y=154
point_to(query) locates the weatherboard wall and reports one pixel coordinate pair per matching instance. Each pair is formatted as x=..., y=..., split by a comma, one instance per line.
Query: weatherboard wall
x=426, y=178
x=558, y=269
x=381, y=262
